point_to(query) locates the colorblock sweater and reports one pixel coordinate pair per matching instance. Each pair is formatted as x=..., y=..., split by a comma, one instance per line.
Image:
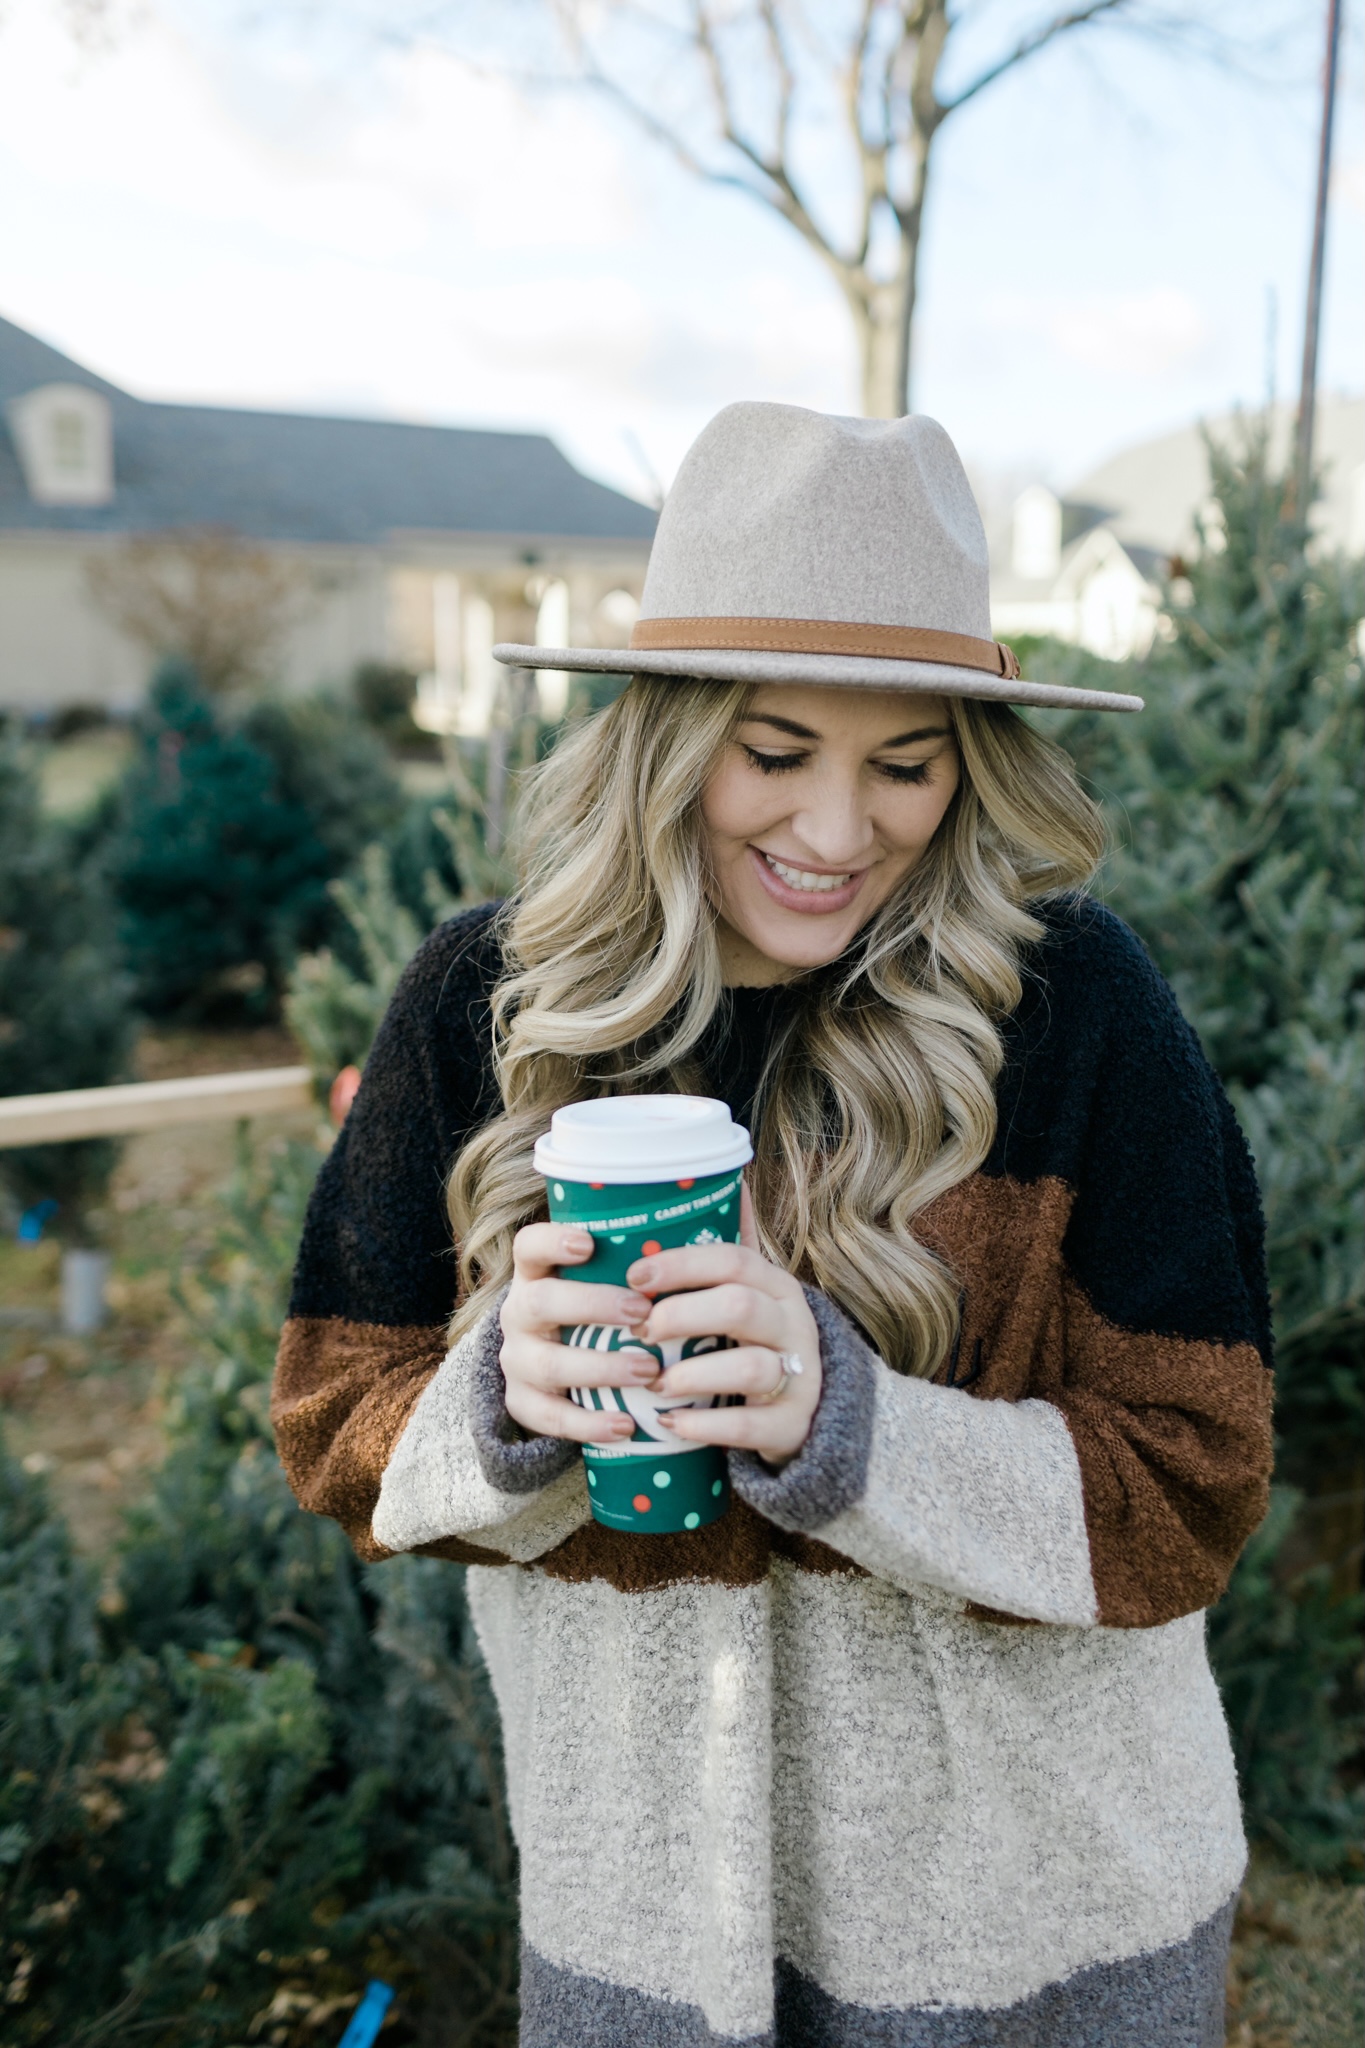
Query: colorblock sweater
x=918, y=1745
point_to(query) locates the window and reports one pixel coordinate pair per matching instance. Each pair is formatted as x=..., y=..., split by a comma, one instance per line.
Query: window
x=69, y=443
x=64, y=437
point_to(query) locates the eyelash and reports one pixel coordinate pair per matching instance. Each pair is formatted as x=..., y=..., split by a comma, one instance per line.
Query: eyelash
x=782, y=764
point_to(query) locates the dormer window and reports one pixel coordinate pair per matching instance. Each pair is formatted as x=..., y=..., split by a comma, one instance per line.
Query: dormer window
x=65, y=441
x=70, y=443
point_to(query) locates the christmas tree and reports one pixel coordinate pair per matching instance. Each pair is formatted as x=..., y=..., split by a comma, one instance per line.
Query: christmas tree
x=251, y=1773
x=229, y=829
x=1235, y=801
x=65, y=1020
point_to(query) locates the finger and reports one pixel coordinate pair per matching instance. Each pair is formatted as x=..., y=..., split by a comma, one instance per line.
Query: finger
x=770, y=1431
x=709, y=1265
x=748, y=1369
x=748, y=1229
x=538, y=1248
x=547, y=1415
x=560, y=1304
x=738, y=1312
x=539, y=1362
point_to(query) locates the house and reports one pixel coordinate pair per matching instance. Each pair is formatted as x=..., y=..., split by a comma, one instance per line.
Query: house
x=1087, y=565
x=408, y=544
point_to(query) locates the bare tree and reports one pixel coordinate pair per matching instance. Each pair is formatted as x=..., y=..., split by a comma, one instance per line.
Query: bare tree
x=746, y=71
x=204, y=594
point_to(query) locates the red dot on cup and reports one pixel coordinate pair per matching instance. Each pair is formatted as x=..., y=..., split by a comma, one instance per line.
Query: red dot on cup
x=651, y=1245
x=687, y=1183
x=642, y=1503
x=596, y=1183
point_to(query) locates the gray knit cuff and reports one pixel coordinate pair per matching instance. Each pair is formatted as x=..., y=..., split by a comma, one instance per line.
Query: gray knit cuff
x=510, y=1460
x=829, y=1472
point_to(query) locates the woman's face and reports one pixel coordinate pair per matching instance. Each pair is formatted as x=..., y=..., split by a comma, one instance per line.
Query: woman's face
x=820, y=806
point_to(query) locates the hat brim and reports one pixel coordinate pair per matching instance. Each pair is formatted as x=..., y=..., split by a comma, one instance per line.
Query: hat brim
x=853, y=672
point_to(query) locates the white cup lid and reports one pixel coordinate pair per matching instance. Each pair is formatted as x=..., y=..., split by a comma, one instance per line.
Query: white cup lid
x=623, y=1139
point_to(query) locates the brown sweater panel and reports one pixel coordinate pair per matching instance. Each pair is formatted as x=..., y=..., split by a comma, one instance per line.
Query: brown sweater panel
x=341, y=1398
x=1175, y=1447
x=1172, y=1434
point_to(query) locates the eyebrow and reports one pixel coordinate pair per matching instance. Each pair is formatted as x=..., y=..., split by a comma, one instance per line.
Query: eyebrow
x=804, y=732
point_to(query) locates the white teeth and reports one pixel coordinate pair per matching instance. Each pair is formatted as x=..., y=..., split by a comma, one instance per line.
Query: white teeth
x=797, y=878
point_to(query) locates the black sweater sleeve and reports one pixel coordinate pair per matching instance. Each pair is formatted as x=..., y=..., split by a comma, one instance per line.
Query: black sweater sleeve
x=375, y=1282
x=1164, y=1374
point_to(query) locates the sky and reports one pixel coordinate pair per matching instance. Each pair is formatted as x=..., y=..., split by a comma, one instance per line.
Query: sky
x=201, y=207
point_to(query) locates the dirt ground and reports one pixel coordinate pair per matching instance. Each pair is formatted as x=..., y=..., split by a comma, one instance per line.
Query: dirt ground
x=1298, y=1962
x=88, y=1412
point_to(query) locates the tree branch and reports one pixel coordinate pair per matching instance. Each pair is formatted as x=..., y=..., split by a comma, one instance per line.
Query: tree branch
x=1029, y=46
x=871, y=155
x=777, y=189
x=786, y=77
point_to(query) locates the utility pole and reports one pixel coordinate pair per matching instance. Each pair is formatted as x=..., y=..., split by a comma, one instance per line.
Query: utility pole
x=1308, y=387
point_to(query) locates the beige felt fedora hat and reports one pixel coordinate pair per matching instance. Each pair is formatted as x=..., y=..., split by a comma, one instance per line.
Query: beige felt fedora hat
x=800, y=547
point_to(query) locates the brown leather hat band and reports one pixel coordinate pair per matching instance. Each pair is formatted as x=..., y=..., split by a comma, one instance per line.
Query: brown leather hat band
x=824, y=636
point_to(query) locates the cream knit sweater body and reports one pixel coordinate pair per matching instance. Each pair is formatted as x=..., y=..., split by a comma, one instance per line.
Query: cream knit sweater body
x=918, y=1746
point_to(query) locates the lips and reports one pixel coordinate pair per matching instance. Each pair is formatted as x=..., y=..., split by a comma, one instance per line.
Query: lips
x=800, y=878
x=805, y=889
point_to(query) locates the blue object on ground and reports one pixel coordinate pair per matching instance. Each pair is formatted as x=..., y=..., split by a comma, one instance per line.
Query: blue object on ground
x=34, y=1221
x=368, y=2016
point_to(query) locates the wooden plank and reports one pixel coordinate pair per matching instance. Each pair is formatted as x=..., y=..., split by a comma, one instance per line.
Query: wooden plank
x=152, y=1105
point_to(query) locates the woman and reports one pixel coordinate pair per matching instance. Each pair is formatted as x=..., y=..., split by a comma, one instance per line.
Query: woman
x=918, y=1744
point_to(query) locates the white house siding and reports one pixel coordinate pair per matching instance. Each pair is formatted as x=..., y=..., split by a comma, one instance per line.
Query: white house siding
x=56, y=646
x=371, y=513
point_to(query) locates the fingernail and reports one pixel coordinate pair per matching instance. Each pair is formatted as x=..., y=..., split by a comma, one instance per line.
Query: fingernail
x=641, y=1273
x=623, y=1426
x=635, y=1308
x=664, y=1419
x=575, y=1244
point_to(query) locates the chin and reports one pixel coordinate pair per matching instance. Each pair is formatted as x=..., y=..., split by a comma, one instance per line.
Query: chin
x=803, y=948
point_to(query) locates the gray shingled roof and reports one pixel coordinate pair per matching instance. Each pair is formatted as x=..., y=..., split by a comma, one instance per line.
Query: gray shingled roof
x=291, y=476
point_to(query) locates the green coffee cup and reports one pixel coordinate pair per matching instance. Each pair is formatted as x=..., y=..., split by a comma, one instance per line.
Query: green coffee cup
x=646, y=1173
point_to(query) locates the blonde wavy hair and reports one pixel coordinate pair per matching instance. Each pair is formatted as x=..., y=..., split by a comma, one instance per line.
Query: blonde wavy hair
x=879, y=1094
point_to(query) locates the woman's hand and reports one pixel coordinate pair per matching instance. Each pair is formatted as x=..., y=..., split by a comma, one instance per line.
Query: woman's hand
x=723, y=1290
x=538, y=1367
x=731, y=1290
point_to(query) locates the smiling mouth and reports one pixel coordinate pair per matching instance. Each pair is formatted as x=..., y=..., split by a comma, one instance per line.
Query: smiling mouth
x=801, y=878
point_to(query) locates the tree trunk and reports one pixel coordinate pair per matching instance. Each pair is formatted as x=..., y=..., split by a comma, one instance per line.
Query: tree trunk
x=884, y=311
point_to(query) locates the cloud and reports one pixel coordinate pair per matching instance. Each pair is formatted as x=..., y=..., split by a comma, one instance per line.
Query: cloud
x=1150, y=333
x=1348, y=184
x=422, y=150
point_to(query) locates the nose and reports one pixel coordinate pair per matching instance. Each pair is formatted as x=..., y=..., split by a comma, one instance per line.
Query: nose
x=835, y=827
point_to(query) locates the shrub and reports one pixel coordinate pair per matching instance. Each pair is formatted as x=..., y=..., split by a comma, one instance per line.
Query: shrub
x=65, y=1019
x=1235, y=803
x=338, y=996
x=256, y=1772
x=227, y=836
x=383, y=693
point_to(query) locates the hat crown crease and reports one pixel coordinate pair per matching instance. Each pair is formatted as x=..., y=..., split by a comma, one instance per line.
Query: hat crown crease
x=781, y=513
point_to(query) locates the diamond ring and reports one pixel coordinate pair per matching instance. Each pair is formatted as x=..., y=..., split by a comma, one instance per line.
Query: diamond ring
x=790, y=1368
